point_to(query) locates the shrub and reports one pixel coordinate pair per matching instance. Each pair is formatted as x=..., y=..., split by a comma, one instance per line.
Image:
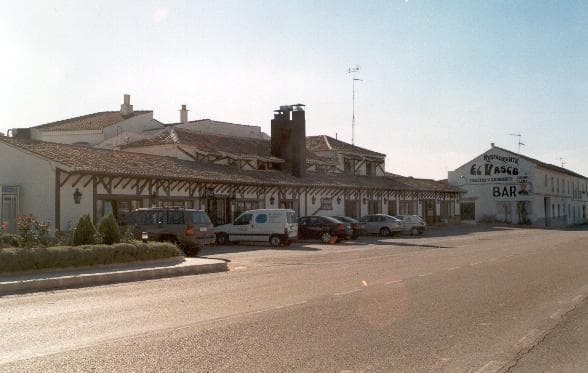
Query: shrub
x=8, y=239
x=24, y=259
x=128, y=235
x=85, y=232
x=31, y=231
x=108, y=230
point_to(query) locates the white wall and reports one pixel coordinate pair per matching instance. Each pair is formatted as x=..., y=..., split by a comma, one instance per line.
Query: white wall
x=35, y=176
x=68, y=137
x=224, y=128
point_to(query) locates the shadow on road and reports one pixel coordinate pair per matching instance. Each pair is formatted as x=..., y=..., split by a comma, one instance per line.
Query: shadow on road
x=216, y=249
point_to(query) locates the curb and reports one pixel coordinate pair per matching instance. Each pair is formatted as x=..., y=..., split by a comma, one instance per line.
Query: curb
x=117, y=276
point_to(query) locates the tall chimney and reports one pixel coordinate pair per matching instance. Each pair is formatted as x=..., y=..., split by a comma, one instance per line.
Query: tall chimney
x=288, y=130
x=184, y=115
x=126, y=108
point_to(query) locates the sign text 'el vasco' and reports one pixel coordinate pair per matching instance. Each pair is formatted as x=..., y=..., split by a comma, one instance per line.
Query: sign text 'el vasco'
x=488, y=168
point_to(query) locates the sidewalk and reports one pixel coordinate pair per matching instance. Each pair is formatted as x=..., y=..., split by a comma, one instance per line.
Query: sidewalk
x=35, y=281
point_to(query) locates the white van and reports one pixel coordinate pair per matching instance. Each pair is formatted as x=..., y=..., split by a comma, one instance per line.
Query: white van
x=276, y=226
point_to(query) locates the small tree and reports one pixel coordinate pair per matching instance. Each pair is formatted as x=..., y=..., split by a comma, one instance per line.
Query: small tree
x=108, y=230
x=85, y=232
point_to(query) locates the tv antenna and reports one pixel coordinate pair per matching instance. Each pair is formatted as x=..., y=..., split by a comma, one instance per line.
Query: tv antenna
x=561, y=159
x=519, y=142
x=353, y=70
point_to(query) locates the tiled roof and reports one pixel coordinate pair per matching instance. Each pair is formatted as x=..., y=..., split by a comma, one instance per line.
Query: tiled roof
x=121, y=163
x=96, y=121
x=548, y=166
x=411, y=183
x=240, y=146
x=327, y=143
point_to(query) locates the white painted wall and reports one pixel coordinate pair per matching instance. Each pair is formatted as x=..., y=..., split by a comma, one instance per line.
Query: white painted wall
x=35, y=176
x=68, y=137
x=224, y=128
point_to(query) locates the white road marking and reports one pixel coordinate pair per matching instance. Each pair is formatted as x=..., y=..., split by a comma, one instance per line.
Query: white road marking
x=453, y=268
x=425, y=274
x=392, y=282
x=475, y=263
x=346, y=292
x=491, y=366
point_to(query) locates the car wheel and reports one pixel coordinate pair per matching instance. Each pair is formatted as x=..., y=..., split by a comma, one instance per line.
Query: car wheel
x=325, y=237
x=222, y=238
x=384, y=231
x=275, y=241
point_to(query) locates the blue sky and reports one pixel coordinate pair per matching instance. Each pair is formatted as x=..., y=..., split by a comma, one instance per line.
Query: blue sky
x=441, y=79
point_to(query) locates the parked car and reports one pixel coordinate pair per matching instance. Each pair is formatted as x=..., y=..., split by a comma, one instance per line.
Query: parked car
x=187, y=227
x=323, y=228
x=276, y=226
x=413, y=224
x=358, y=228
x=382, y=224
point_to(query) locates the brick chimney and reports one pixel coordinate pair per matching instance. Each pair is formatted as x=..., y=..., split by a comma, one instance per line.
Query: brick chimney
x=288, y=131
x=126, y=108
x=184, y=114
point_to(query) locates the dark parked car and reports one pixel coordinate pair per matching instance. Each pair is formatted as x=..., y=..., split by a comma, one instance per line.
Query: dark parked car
x=358, y=228
x=188, y=228
x=323, y=228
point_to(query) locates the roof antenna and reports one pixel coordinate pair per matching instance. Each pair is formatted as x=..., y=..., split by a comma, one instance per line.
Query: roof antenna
x=353, y=70
x=561, y=159
x=520, y=143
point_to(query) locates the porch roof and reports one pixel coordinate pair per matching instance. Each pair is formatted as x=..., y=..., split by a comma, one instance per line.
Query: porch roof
x=88, y=160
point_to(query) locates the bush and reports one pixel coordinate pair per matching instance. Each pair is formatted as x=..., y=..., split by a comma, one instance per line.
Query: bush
x=108, y=230
x=32, y=232
x=24, y=259
x=9, y=239
x=85, y=232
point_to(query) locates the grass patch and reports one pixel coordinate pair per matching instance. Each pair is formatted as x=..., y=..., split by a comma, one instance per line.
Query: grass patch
x=24, y=259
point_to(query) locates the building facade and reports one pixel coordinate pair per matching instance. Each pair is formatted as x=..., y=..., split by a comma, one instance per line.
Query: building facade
x=508, y=187
x=223, y=175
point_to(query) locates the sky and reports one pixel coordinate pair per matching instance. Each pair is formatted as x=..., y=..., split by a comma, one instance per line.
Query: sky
x=441, y=80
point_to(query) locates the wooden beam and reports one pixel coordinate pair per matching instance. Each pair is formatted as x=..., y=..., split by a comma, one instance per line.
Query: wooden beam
x=128, y=182
x=64, y=180
x=91, y=179
x=77, y=181
x=57, y=200
x=118, y=183
x=142, y=187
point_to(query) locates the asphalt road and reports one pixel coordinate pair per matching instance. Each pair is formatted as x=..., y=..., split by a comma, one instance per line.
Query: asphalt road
x=466, y=299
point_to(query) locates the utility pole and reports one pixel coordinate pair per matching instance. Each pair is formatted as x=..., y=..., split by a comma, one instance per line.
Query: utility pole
x=520, y=143
x=561, y=159
x=353, y=70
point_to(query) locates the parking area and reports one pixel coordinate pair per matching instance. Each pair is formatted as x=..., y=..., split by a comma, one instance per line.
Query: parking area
x=435, y=238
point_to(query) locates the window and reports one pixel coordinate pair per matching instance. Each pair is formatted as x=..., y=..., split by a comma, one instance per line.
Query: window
x=326, y=203
x=545, y=179
x=154, y=217
x=261, y=219
x=557, y=185
x=290, y=217
x=349, y=166
x=370, y=168
x=175, y=217
x=243, y=219
x=200, y=217
x=552, y=184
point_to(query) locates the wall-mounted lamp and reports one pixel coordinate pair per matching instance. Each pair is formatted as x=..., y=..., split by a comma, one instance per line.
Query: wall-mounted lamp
x=313, y=200
x=77, y=196
x=338, y=200
x=272, y=200
x=364, y=200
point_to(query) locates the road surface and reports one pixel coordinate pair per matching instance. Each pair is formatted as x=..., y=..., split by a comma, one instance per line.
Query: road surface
x=459, y=299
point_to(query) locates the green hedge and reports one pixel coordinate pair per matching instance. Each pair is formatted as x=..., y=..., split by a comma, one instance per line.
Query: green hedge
x=23, y=259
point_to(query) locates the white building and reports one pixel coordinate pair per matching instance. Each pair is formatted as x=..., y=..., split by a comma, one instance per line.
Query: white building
x=105, y=127
x=513, y=188
x=224, y=175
